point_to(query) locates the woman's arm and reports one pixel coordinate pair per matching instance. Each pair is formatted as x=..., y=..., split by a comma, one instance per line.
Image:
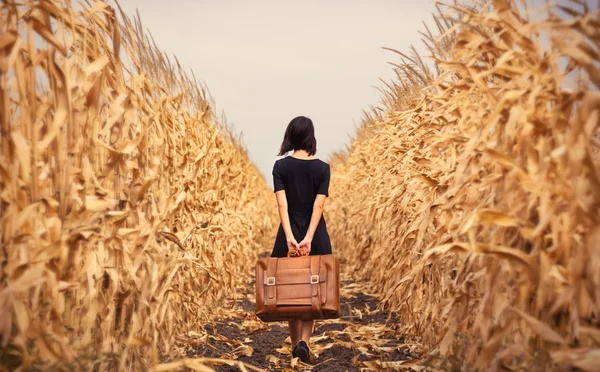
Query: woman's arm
x=282, y=206
x=317, y=212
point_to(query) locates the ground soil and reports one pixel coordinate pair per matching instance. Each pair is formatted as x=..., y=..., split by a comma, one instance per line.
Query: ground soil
x=362, y=336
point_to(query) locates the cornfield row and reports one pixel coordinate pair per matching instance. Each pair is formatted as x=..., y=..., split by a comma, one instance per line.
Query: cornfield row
x=473, y=202
x=127, y=211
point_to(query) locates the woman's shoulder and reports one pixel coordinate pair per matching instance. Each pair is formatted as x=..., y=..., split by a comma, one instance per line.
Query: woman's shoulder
x=322, y=163
x=280, y=161
x=280, y=164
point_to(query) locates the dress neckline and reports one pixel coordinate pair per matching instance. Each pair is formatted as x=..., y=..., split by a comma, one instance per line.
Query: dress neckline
x=303, y=159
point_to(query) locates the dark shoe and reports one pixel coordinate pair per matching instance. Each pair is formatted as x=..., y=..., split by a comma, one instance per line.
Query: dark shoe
x=301, y=351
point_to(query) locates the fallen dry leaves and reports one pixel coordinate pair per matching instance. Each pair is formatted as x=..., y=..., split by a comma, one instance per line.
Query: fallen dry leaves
x=366, y=339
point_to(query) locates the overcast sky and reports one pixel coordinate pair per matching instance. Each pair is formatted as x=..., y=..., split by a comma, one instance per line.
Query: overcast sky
x=267, y=61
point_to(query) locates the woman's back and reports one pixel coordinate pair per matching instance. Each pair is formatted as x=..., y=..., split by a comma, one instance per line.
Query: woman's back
x=302, y=180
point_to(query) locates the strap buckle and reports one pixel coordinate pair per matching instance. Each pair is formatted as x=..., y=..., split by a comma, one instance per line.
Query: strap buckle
x=271, y=281
x=314, y=279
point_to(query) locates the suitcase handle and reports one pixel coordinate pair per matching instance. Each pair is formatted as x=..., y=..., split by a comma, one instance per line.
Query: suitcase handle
x=289, y=254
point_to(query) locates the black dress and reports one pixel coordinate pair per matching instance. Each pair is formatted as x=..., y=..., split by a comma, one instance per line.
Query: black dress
x=302, y=180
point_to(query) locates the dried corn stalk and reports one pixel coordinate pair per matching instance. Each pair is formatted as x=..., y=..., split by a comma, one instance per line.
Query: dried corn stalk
x=127, y=211
x=472, y=203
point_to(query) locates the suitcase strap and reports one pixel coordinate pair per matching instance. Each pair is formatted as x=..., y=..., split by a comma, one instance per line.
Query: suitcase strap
x=315, y=264
x=271, y=292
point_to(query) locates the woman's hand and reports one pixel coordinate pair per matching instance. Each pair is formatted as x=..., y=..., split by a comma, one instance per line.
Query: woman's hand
x=304, y=246
x=292, y=245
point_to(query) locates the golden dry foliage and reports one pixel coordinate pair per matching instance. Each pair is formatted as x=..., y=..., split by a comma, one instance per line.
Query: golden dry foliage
x=473, y=203
x=127, y=211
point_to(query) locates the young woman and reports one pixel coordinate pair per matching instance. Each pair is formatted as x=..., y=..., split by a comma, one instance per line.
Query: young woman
x=301, y=184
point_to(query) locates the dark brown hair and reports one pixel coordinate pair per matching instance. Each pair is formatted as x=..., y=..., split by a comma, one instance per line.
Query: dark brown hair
x=299, y=135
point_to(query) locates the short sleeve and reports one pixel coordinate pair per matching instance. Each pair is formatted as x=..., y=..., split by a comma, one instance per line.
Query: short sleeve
x=324, y=184
x=277, y=179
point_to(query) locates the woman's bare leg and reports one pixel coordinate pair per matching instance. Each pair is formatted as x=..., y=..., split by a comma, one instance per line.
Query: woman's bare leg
x=307, y=330
x=295, y=331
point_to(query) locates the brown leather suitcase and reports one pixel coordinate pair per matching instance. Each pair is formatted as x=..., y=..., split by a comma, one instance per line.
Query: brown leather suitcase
x=289, y=288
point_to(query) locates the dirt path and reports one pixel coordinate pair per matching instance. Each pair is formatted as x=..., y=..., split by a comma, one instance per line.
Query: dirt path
x=360, y=340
